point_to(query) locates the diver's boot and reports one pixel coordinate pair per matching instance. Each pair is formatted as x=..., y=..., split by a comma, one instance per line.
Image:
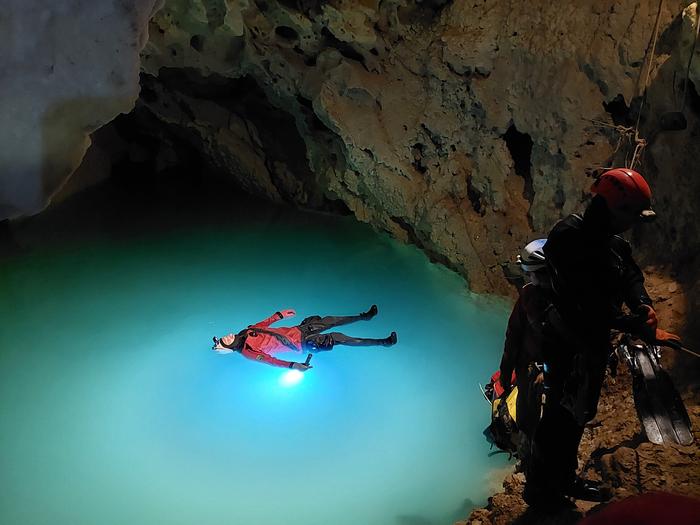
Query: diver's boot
x=390, y=341
x=369, y=313
x=547, y=501
x=587, y=490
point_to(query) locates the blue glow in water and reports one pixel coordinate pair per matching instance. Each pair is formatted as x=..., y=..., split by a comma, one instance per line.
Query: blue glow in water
x=114, y=409
x=291, y=378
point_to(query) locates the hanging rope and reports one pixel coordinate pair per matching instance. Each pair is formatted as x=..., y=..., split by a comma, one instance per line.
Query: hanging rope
x=649, y=56
x=638, y=149
x=625, y=135
x=632, y=133
x=640, y=143
x=669, y=121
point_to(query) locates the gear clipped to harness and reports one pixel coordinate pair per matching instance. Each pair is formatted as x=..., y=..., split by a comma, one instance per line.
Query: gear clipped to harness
x=503, y=430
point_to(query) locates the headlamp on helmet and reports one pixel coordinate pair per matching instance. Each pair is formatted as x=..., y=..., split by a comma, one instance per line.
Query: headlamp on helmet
x=531, y=258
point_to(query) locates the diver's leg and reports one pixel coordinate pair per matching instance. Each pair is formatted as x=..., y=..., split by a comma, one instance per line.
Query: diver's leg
x=331, y=321
x=553, y=463
x=342, y=339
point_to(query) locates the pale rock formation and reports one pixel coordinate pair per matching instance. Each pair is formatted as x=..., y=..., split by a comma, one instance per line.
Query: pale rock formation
x=688, y=43
x=68, y=67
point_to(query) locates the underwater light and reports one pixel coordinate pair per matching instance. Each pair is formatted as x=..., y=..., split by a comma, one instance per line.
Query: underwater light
x=291, y=378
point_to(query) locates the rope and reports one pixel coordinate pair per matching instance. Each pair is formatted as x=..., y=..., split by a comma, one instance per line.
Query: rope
x=650, y=56
x=640, y=143
x=638, y=149
x=688, y=350
x=677, y=345
x=625, y=132
x=632, y=133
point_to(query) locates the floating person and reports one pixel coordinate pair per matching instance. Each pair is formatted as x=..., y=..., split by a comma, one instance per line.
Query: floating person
x=593, y=274
x=260, y=341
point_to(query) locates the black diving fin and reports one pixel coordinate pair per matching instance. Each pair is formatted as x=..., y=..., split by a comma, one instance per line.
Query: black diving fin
x=659, y=405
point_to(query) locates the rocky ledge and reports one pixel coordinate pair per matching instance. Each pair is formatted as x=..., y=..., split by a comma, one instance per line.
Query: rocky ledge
x=614, y=449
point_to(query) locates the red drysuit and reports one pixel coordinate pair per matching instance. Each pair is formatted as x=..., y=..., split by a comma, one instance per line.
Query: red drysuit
x=261, y=344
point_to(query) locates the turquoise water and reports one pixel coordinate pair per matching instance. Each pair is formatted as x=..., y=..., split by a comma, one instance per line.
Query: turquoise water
x=114, y=409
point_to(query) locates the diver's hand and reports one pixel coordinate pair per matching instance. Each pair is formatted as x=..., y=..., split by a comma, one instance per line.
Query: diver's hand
x=288, y=313
x=649, y=318
x=301, y=366
x=662, y=336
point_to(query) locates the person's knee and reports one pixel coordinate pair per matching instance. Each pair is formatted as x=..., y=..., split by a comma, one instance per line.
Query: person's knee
x=320, y=343
x=312, y=319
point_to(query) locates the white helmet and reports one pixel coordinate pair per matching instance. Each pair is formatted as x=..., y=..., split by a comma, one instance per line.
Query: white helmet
x=531, y=258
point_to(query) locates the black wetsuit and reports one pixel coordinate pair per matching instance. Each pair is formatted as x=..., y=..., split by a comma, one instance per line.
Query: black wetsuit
x=593, y=273
x=312, y=340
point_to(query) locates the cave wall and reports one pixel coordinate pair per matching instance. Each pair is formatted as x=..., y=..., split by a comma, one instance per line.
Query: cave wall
x=467, y=128
x=67, y=67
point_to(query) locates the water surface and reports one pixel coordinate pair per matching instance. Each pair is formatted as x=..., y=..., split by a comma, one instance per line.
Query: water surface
x=114, y=409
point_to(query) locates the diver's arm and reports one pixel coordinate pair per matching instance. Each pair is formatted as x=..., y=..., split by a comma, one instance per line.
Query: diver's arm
x=254, y=355
x=274, y=318
x=635, y=292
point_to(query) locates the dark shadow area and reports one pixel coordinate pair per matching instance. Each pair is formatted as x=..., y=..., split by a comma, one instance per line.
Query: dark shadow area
x=274, y=132
x=345, y=49
x=287, y=33
x=475, y=198
x=619, y=111
x=415, y=239
x=422, y=12
x=692, y=100
x=560, y=517
x=520, y=148
x=244, y=97
x=142, y=197
x=303, y=6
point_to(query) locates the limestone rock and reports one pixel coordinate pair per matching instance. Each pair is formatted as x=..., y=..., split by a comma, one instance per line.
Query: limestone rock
x=464, y=128
x=688, y=43
x=68, y=68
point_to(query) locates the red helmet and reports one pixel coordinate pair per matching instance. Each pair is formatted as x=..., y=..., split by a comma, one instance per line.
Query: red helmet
x=624, y=190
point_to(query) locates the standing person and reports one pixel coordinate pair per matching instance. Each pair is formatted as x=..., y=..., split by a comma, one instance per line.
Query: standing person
x=593, y=274
x=522, y=350
x=260, y=341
